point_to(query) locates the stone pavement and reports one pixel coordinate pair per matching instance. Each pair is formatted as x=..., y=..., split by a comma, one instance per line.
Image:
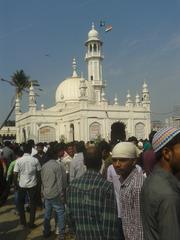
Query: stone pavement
x=9, y=225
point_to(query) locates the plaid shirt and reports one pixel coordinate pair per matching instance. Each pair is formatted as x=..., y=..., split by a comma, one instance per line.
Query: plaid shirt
x=92, y=208
x=130, y=205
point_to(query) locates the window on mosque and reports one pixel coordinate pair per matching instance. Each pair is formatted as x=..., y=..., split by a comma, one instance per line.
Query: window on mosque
x=91, y=77
x=140, y=131
x=95, y=48
x=94, y=131
x=47, y=134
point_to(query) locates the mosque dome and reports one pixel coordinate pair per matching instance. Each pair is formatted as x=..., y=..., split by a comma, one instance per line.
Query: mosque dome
x=93, y=34
x=69, y=89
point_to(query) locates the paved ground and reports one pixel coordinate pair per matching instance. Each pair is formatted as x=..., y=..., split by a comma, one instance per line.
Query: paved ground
x=9, y=225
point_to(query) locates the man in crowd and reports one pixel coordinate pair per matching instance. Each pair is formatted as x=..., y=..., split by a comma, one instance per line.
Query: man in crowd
x=127, y=185
x=91, y=203
x=27, y=170
x=8, y=153
x=148, y=156
x=104, y=149
x=40, y=153
x=160, y=196
x=68, y=156
x=53, y=184
x=77, y=167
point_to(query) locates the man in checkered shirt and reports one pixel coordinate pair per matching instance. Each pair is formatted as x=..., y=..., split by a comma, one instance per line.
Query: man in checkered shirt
x=91, y=203
x=127, y=188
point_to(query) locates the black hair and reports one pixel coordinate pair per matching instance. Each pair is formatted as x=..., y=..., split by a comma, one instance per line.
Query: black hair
x=18, y=152
x=27, y=148
x=169, y=145
x=92, y=158
x=151, y=135
x=80, y=147
x=40, y=144
x=7, y=143
x=31, y=142
x=133, y=139
x=103, y=145
x=70, y=144
x=52, y=152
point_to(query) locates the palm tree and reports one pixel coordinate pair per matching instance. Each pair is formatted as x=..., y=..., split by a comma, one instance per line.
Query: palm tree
x=21, y=82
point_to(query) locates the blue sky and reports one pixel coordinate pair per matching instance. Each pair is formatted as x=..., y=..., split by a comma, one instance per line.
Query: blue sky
x=143, y=44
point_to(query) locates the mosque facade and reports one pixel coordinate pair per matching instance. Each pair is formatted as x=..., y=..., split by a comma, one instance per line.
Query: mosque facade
x=81, y=110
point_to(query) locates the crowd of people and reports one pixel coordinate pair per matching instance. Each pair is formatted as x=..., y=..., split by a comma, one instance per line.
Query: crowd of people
x=95, y=190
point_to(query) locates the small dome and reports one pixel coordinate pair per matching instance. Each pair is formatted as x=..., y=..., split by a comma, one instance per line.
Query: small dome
x=70, y=91
x=93, y=34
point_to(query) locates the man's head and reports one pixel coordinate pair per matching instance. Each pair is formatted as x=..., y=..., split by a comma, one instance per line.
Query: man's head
x=133, y=139
x=124, y=156
x=80, y=147
x=166, y=145
x=27, y=148
x=92, y=158
x=31, y=142
x=60, y=149
x=70, y=149
x=104, y=149
x=7, y=143
x=55, y=151
x=40, y=148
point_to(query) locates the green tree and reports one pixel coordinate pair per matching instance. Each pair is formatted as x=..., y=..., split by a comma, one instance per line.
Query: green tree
x=21, y=82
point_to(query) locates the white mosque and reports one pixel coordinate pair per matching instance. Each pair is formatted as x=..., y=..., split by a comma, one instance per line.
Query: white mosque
x=81, y=110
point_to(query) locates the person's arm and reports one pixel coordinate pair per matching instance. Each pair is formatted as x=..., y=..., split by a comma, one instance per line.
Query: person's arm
x=61, y=181
x=169, y=218
x=38, y=171
x=72, y=170
x=138, y=228
x=15, y=179
x=16, y=172
x=69, y=209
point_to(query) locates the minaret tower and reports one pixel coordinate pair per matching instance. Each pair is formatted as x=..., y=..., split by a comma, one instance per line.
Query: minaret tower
x=32, y=98
x=94, y=62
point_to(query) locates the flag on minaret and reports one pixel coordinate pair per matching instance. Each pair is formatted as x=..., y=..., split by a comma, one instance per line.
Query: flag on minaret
x=108, y=28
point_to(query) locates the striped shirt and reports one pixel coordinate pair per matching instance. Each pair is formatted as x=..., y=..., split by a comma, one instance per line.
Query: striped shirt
x=92, y=208
x=130, y=205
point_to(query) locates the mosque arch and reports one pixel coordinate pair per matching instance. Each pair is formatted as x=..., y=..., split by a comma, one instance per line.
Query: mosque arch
x=94, y=130
x=140, y=130
x=95, y=48
x=47, y=134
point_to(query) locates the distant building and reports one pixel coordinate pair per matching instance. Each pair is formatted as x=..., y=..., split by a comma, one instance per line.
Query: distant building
x=81, y=111
x=174, y=120
x=8, y=133
x=157, y=124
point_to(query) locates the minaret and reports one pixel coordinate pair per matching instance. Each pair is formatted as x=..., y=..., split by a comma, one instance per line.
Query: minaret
x=115, y=100
x=94, y=59
x=138, y=101
x=32, y=98
x=145, y=96
x=129, y=102
x=74, y=65
x=17, y=106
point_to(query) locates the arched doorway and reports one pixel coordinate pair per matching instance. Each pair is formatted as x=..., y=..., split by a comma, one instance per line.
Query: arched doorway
x=47, y=134
x=94, y=131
